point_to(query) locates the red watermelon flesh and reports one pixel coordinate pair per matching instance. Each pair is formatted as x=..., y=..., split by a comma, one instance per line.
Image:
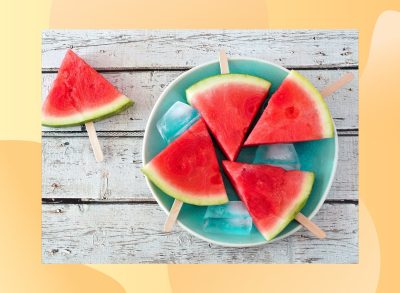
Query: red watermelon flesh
x=80, y=94
x=187, y=169
x=296, y=112
x=272, y=195
x=228, y=103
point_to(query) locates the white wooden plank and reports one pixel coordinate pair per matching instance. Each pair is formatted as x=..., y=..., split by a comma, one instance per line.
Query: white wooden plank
x=133, y=49
x=70, y=170
x=145, y=87
x=133, y=234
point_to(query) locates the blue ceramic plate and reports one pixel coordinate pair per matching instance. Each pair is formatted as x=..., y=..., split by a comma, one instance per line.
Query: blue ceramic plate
x=318, y=156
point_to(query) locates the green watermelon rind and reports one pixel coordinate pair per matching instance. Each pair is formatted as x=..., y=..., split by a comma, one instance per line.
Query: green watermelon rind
x=299, y=204
x=119, y=104
x=326, y=119
x=214, y=80
x=195, y=199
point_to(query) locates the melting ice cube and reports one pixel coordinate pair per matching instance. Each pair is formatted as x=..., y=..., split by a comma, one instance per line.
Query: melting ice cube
x=230, y=218
x=281, y=155
x=176, y=120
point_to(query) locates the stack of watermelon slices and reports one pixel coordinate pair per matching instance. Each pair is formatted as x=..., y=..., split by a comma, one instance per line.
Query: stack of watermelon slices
x=188, y=169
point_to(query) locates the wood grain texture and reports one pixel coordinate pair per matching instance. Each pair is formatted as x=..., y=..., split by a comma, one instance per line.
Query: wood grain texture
x=70, y=170
x=144, y=87
x=123, y=233
x=172, y=49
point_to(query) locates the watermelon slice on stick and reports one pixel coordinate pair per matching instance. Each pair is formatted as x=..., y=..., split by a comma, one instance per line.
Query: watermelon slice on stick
x=81, y=95
x=228, y=103
x=272, y=195
x=187, y=169
x=285, y=156
x=296, y=112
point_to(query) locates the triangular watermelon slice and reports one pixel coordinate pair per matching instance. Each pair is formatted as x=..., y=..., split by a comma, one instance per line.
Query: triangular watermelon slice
x=228, y=103
x=296, y=112
x=80, y=94
x=188, y=170
x=272, y=195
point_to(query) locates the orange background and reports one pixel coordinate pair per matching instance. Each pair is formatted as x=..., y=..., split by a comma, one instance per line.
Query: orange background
x=20, y=154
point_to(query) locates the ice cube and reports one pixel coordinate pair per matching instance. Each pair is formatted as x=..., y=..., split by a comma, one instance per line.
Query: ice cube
x=231, y=218
x=281, y=155
x=229, y=210
x=176, y=120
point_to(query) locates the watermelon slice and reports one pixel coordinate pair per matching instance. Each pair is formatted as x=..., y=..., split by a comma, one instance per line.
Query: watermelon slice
x=188, y=170
x=272, y=195
x=228, y=104
x=80, y=94
x=296, y=112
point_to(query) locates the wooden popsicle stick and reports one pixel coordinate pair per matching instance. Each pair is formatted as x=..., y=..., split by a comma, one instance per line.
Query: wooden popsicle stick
x=173, y=215
x=94, y=141
x=223, y=62
x=307, y=223
x=333, y=87
x=177, y=205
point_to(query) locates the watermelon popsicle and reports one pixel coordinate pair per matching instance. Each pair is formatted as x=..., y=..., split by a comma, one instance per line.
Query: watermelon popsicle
x=272, y=195
x=187, y=169
x=228, y=103
x=296, y=112
x=80, y=95
x=285, y=156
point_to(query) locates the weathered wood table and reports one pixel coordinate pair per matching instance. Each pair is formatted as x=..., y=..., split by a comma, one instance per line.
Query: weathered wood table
x=104, y=212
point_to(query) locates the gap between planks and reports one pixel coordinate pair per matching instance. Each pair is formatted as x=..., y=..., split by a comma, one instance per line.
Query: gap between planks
x=185, y=68
x=140, y=133
x=73, y=201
